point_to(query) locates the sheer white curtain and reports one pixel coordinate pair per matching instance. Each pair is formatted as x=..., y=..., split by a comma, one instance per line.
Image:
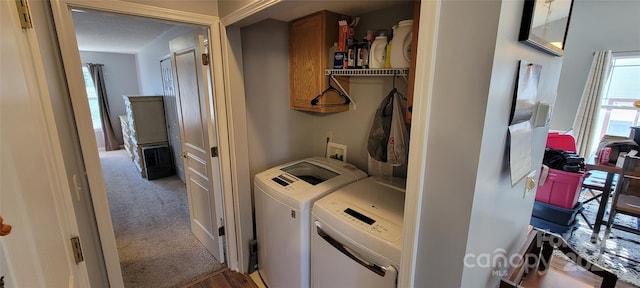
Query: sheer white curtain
x=584, y=124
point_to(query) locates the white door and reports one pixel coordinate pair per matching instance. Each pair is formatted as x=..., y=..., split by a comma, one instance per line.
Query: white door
x=34, y=197
x=197, y=128
x=171, y=113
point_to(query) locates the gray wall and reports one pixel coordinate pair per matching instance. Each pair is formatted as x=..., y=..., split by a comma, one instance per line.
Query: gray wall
x=148, y=59
x=464, y=57
x=501, y=212
x=120, y=77
x=595, y=25
x=352, y=128
x=467, y=175
x=277, y=134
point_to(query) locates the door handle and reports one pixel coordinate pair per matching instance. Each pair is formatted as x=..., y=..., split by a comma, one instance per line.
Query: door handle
x=348, y=252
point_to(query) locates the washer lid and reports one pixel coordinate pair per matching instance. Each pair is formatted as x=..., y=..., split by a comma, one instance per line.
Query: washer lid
x=309, y=172
x=298, y=184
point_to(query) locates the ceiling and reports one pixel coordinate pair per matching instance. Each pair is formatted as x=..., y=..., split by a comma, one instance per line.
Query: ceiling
x=105, y=32
x=287, y=10
x=108, y=32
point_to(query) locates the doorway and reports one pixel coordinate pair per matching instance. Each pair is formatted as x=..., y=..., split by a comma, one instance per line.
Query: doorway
x=114, y=155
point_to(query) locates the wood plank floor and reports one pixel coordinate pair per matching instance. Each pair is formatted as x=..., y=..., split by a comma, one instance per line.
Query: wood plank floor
x=224, y=278
x=568, y=271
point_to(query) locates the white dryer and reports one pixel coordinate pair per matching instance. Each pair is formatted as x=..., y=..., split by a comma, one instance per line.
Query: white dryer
x=284, y=196
x=357, y=235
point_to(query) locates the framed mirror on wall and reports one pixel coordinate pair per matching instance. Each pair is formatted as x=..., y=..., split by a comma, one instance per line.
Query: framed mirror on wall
x=545, y=24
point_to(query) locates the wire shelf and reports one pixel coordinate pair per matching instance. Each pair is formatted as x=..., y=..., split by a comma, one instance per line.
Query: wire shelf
x=368, y=72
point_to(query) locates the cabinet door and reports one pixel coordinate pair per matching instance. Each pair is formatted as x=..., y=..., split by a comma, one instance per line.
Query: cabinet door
x=309, y=40
x=412, y=67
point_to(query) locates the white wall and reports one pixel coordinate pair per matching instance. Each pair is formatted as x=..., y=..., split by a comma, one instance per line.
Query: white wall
x=148, y=60
x=225, y=7
x=469, y=206
x=120, y=77
x=595, y=25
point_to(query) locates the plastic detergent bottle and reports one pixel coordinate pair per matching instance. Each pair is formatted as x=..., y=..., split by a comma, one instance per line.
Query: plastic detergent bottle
x=377, y=55
x=401, y=48
x=387, y=57
x=332, y=54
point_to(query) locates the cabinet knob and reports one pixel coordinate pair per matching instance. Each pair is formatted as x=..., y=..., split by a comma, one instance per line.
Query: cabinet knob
x=183, y=155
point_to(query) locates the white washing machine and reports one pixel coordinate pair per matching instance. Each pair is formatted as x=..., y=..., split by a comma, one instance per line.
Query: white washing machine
x=357, y=235
x=284, y=196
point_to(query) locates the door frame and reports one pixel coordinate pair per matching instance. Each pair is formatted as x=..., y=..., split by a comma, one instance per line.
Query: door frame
x=423, y=86
x=72, y=65
x=24, y=257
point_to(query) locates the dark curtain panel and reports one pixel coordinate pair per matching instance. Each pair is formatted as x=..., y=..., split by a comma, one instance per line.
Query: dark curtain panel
x=110, y=142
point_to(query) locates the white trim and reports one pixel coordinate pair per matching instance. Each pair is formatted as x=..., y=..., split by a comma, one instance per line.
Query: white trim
x=423, y=86
x=239, y=151
x=134, y=9
x=73, y=70
x=52, y=162
x=612, y=107
x=225, y=156
x=218, y=110
x=248, y=10
x=71, y=60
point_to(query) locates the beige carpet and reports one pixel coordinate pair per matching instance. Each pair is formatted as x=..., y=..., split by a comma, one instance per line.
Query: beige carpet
x=151, y=225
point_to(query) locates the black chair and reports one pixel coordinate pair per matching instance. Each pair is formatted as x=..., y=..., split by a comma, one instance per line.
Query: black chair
x=592, y=189
x=627, y=197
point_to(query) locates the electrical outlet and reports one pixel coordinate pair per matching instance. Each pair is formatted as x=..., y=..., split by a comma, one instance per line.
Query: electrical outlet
x=329, y=136
x=337, y=151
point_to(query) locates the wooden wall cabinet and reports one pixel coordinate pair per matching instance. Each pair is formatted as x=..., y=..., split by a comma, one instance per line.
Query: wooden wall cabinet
x=309, y=40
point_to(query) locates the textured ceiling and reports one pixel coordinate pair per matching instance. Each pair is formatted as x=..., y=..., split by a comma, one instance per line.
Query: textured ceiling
x=103, y=32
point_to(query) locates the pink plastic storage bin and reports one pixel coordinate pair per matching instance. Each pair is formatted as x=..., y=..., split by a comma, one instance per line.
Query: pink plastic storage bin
x=561, y=188
x=561, y=141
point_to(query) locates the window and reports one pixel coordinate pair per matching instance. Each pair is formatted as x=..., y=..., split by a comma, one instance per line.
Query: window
x=617, y=112
x=92, y=94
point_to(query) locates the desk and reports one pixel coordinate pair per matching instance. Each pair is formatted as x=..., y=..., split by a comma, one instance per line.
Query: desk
x=611, y=170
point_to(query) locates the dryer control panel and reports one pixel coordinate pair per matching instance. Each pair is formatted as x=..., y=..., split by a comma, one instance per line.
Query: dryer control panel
x=366, y=221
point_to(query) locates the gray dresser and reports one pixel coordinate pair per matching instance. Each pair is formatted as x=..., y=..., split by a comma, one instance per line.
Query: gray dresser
x=143, y=126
